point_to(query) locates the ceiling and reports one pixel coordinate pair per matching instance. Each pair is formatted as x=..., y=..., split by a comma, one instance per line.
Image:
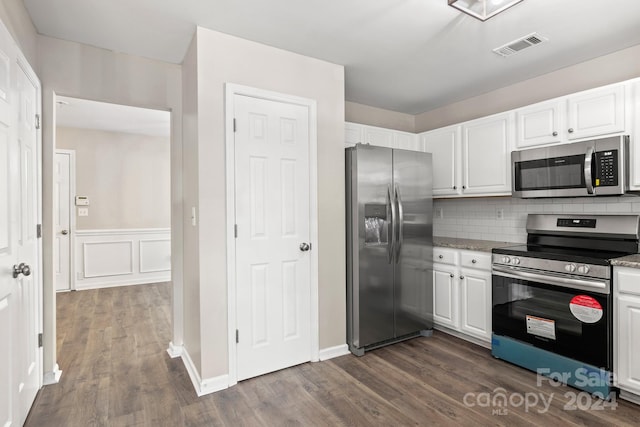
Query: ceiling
x=409, y=56
x=84, y=114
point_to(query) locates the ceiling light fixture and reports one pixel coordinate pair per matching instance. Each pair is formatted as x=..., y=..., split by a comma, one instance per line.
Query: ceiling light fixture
x=482, y=9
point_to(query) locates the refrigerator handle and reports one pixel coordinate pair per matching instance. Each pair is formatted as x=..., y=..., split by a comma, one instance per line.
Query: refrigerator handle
x=400, y=220
x=391, y=225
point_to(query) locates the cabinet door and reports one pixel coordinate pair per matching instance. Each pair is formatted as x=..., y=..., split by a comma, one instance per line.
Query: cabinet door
x=406, y=141
x=539, y=124
x=353, y=134
x=475, y=303
x=628, y=343
x=444, y=144
x=378, y=136
x=486, y=155
x=445, y=296
x=634, y=147
x=597, y=112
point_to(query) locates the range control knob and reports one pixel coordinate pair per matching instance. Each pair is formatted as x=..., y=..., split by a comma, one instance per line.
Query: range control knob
x=506, y=259
x=570, y=268
x=515, y=261
x=583, y=269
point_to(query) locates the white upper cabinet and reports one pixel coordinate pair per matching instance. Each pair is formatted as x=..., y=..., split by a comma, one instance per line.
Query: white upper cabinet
x=539, y=124
x=486, y=155
x=596, y=112
x=444, y=144
x=355, y=133
x=634, y=150
x=583, y=115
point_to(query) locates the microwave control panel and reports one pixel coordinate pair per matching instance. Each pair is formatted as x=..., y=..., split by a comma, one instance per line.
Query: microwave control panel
x=606, y=168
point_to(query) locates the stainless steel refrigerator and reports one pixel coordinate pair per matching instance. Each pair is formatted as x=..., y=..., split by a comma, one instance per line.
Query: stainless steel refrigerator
x=389, y=246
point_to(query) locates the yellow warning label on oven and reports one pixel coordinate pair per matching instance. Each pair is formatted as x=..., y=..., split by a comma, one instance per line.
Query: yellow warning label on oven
x=597, y=182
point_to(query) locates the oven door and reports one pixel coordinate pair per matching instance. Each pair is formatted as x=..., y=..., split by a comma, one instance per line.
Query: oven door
x=573, y=321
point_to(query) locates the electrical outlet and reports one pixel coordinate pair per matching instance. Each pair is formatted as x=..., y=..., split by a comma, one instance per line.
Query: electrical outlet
x=500, y=213
x=439, y=213
x=83, y=211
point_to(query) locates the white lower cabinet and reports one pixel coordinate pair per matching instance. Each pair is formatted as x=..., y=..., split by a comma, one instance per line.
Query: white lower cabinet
x=462, y=292
x=627, y=331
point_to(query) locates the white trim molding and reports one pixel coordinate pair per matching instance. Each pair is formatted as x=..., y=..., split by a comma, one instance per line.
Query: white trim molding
x=331, y=352
x=206, y=386
x=231, y=90
x=175, y=351
x=106, y=258
x=52, y=377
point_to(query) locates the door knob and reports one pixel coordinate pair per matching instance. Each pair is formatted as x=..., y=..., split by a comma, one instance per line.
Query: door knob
x=21, y=268
x=65, y=232
x=305, y=246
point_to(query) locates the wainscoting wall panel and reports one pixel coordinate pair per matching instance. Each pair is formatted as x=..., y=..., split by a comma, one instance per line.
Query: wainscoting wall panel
x=106, y=258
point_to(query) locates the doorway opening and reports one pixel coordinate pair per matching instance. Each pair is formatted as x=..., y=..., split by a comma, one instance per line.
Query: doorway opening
x=112, y=219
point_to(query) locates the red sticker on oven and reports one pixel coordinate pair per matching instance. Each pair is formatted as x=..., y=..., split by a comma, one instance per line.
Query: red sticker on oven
x=586, y=309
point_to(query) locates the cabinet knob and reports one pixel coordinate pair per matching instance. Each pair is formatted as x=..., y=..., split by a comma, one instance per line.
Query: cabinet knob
x=570, y=130
x=461, y=277
x=464, y=187
x=451, y=275
x=473, y=261
x=455, y=187
x=554, y=133
x=440, y=256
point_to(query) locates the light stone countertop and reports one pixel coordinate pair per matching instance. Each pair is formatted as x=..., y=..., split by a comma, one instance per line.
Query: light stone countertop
x=469, y=244
x=632, y=261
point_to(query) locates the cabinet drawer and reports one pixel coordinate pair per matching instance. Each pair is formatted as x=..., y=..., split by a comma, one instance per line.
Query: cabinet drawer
x=477, y=260
x=445, y=256
x=627, y=280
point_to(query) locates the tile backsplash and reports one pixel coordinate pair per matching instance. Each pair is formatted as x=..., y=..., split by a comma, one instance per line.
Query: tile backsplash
x=505, y=218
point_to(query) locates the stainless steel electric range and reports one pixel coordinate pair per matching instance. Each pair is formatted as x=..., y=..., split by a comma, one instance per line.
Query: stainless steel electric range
x=552, y=298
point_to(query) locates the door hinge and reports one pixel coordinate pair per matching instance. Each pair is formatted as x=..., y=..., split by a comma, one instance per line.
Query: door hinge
x=234, y=125
x=39, y=340
x=235, y=230
x=39, y=231
x=237, y=336
x=37, y=121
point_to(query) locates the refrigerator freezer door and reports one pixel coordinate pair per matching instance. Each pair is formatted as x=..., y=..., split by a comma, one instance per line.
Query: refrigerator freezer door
x=412, y=174
x=370, y=246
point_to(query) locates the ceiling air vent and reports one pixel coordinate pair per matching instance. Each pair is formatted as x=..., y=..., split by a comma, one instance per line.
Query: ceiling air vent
x=519, y=44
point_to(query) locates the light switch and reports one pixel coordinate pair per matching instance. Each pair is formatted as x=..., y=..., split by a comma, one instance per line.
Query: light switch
x=83, y=211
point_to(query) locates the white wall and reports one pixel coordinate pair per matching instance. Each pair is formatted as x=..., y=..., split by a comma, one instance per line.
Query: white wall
x=476, y=218
x=127, y=178
x=15, y=17
x=612, y=68
x=220, y=59
x=372, y=116
x=81, y=71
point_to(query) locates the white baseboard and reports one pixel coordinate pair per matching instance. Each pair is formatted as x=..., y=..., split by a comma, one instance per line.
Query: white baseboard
x=175, y=350
x=101, y=285
x=630, y=397
x=473, y=340
x=206, y=386
x=331, y=352
x=52, y=377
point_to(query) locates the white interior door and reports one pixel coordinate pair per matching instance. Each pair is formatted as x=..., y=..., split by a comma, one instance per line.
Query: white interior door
x=62, y=218
x=28, y=363
x=8, y=237
x=273, y=276
x=20, y=366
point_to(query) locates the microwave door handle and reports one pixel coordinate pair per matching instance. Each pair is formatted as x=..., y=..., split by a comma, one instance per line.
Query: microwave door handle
x=588, y=176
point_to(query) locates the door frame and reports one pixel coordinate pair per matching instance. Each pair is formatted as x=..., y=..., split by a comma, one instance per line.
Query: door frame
x=231, y=90
x=72, y=215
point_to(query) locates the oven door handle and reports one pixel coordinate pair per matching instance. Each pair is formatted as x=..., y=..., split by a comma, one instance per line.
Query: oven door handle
x=601, y=287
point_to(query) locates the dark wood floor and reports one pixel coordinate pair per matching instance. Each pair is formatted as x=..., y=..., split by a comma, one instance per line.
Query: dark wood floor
x=112, y=343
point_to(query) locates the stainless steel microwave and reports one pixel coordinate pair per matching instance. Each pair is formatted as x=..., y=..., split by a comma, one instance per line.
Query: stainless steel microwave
x=597, y=167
